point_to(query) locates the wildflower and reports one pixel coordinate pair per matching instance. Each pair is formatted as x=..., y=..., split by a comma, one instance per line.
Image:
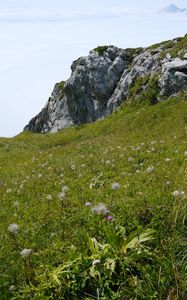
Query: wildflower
x=88, y=204
x=49, y=197
x=107, y=162
x=92, y=185
x=167, y=159
x=8, y=191
x=61, y=195
x=176, y=193
x=115, y=186
x=65, y=189
x=73, y=167
x=11, y=288
x=150, y=169
x=25, y=253
x=130, y=159
x=100, y=209
x=40, y=175
x=109, y=218
x=16, y=204
x=185, y=153
x=96, y=262
x=13, y=229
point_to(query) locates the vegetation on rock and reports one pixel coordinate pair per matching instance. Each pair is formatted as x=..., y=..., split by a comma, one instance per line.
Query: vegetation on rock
x=101, y=49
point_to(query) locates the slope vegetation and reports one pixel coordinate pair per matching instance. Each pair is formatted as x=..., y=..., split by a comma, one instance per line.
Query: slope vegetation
x=97, y=211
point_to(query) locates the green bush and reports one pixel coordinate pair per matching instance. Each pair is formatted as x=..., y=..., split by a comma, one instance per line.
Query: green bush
x=101, y=49
x=144, y=89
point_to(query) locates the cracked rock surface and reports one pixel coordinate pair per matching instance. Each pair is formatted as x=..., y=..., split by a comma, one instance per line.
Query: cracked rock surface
x=100, y=82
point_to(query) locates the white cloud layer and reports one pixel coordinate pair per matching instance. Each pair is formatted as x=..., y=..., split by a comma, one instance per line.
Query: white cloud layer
x=60, y=15
x=41, y=38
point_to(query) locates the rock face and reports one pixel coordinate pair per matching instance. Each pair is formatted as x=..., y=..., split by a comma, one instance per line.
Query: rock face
x=174, y=76
x=101, y=81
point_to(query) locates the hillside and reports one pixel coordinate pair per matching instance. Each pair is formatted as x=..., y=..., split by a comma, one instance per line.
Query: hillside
x=99, y=209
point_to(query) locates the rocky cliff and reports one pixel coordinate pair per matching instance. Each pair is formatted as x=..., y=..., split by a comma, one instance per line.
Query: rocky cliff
x=105, y=78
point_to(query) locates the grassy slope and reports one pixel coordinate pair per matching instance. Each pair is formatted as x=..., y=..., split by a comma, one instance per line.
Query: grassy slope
x=33, y=166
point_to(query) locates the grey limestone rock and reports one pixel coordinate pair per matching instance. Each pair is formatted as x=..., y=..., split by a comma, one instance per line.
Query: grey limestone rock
x=100, y=82
x=173, y=76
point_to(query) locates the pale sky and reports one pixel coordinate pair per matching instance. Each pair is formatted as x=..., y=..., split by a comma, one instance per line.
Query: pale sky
x=41, y=38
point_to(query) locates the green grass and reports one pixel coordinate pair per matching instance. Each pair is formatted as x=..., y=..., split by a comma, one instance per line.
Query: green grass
x=141, y=252
x=176, y=47
x=61, y=85
x=101, y=49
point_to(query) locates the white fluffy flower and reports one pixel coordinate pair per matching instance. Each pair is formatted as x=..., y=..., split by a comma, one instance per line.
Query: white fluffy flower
x=12, y=288
x=16, y=204
x=96, y=262
x=176, y=193
x=65, y=189
x=130, y=159
x=62, y=195
x=13, y=228
x=115, y=186
x=100, y=209
x=25, y=253
x=150, y=169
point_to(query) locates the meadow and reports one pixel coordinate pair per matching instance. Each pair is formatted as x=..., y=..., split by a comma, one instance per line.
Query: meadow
x=97, y=211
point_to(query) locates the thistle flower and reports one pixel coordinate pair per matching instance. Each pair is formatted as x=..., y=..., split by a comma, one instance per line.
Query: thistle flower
x=13, y=229
x=25, y=253
x=115, y=186
x=109, y=218
x=100, y=209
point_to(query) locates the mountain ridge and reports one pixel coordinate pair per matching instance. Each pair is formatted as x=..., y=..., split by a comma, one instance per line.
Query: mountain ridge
x=109, y=75
x=172, y=8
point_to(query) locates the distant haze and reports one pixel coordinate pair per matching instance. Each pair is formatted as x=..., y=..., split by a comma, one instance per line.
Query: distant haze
x=40, y=39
